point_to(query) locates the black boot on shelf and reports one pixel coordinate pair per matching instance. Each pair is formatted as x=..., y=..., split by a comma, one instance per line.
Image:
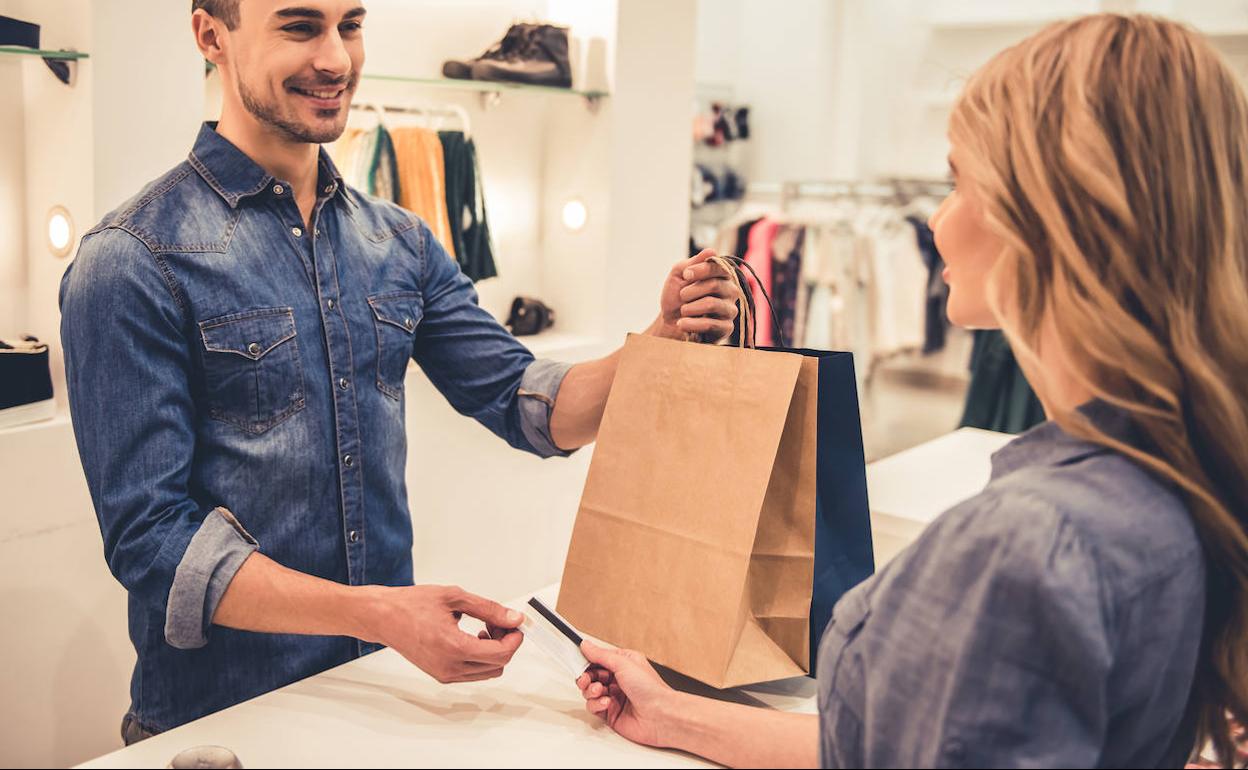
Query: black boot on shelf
x=25, y=382
x=511, y=44
x=543, y=61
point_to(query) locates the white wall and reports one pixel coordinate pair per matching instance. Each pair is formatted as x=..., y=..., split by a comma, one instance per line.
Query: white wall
x=147, y=94
x=12, y=201
x=779, y=59
x=843, y=89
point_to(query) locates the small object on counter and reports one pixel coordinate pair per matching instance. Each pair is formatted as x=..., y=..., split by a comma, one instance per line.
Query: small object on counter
x=529, y=316
x=555, y=637
x=206, y=757
x=25, y=382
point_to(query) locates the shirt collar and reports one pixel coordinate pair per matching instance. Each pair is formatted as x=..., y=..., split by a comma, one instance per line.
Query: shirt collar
x=235, y=176
x=1048, y=444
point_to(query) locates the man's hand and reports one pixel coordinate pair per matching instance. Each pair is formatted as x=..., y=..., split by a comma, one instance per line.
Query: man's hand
x=421, y=623
x=699, y=297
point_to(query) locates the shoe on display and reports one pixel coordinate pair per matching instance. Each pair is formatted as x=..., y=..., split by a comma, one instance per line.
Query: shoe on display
x=25, y=382
x=541, y=61
x=511, y=44
x=19, y=33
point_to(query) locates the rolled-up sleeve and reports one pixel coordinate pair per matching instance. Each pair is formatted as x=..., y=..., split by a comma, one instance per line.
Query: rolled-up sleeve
x=217, y=550
x=128, y=370
x=481, y=369
x=538, y=390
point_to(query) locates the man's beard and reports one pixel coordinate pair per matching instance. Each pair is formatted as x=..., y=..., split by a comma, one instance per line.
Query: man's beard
x=295, y=130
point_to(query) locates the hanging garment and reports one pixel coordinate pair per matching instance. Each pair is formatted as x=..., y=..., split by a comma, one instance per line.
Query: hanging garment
x=422, y=180
x=342, y=153
x=829, y=277
x=936, y=320
x=383, y=171
x=742, y=242
x=759, y=257
x=899, y=278
x=465, y=205
x=365, y=156
x=999, y=397
x=786, y=278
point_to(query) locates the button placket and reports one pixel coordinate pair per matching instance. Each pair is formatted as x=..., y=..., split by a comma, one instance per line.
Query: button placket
x=336, y=330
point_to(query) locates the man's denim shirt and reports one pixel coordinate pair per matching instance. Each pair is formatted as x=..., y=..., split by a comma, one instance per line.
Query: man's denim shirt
x=236, y=383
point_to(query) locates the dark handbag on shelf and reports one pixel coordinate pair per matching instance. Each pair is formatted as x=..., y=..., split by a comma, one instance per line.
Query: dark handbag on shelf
x=529, y=316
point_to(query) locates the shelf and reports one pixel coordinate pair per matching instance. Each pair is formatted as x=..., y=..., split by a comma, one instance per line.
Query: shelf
x=56, y=55
x=486, y=86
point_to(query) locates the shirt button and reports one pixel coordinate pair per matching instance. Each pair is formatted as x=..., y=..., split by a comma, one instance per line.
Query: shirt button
x=254, y=348
x=297, y=232
x=348, y=460
x=330, y=304
x=408, y=323
x=329, y=188
x=342, y=383
x=278, y=189
x=317, y=232
x=353, y=536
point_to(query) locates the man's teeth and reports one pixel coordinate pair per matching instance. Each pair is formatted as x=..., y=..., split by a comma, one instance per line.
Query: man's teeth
x=321, y=94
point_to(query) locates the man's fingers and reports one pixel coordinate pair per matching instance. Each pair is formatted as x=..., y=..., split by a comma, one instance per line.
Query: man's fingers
x=703, y=270
x=491, y=612
x=710, y=328
x=709, y=306
x=718, y=287
x=479, y=676
x=701, y=257
x=493, y=651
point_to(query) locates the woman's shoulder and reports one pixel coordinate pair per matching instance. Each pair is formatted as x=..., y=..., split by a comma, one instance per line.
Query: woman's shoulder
x=1098, y=506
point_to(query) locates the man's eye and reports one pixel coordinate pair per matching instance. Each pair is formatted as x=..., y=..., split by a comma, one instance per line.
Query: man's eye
x=351, y=27
x=300, y=29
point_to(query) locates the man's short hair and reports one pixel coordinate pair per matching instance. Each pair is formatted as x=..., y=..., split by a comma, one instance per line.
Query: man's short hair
x=225, y=10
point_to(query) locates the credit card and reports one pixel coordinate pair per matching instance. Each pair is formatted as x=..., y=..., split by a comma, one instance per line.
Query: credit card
x=555, y=637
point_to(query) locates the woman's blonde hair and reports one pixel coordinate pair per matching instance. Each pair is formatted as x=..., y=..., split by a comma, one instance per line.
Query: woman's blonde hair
x=1111, y=156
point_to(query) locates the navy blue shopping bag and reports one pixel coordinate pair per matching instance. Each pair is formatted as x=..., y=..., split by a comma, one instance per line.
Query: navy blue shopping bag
x=844, y=555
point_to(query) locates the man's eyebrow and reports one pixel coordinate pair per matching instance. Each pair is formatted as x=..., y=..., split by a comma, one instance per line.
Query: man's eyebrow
x=298, y=12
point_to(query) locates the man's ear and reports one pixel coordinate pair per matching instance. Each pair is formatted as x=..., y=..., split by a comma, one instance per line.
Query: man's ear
x=209, y=36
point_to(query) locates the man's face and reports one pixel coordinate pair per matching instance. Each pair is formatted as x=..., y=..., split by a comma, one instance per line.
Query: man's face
x=297, y=63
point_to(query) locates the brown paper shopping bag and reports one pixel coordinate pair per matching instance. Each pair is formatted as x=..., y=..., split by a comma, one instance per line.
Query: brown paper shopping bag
x=695, y=538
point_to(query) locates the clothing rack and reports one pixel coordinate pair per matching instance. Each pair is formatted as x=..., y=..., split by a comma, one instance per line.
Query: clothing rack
x=446, y=110
x=886, y=188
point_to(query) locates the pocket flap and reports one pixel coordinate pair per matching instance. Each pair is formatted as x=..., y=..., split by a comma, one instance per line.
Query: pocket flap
x=252, y=334
x=401, y=310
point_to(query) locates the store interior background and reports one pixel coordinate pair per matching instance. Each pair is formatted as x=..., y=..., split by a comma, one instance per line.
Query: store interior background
x=838, y=91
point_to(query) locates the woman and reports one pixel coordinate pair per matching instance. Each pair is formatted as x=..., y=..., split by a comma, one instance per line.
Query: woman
x=1088, y=608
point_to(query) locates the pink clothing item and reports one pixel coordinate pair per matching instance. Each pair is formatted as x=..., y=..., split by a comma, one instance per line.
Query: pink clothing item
x=758, y=256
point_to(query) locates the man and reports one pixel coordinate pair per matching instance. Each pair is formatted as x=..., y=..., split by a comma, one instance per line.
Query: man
x=236, y=339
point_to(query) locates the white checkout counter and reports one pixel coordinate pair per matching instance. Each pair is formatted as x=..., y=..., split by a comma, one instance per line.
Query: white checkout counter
x=381, y=711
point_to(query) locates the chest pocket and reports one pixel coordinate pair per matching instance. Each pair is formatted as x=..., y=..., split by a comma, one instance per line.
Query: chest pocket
x=395, y=316
x=253, y=378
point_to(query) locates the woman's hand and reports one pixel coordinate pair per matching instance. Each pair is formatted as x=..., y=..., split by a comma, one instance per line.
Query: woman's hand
x=625, y=690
